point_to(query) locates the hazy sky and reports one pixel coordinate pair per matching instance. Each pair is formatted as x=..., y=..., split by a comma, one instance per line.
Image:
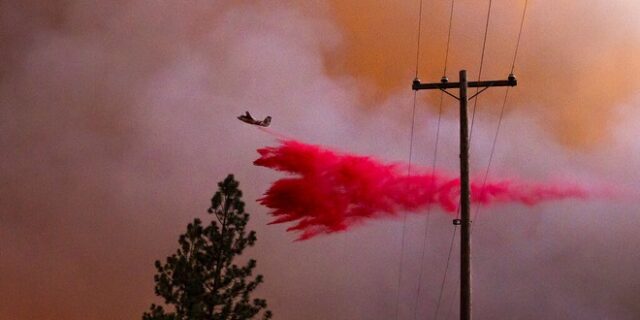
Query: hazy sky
x=117, y=120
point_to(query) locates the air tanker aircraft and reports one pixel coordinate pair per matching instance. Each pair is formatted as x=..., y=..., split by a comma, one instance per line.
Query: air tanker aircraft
x=247, y=118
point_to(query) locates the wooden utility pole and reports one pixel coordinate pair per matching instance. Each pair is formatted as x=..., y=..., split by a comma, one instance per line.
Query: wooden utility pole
x=465, y=192
x=465, y=205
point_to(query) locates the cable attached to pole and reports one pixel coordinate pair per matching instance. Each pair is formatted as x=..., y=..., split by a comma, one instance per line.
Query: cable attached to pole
x=446, y=53
x=502, y=110
x=500, y=119
x=515, y=54
x=435, y=157
x=419, y=36
x=426, y=226
x=484, y=42
x=413, y=118
x=484, y=46
x=404, y=220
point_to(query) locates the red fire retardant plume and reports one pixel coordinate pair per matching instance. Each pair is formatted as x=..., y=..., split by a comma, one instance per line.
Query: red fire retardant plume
x=330, y=191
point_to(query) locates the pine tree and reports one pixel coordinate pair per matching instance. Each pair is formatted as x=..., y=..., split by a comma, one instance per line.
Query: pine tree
x=200, y=280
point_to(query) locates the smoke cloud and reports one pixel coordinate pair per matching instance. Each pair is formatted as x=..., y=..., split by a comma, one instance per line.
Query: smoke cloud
x=576, y=60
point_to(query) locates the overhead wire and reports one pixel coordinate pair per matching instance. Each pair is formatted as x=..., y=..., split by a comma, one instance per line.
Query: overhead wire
x=500, y=120
x=436, y=144
x=446, y=269
x=484, y=180
x=413, y=119
x=426, y=225
x=484, y=46
x=515, y=54
x=455, y=227
x=451, y=304
x=433, y=164
x=502, y=109
x=404, y=220
x=446, y=53
x=419, y=37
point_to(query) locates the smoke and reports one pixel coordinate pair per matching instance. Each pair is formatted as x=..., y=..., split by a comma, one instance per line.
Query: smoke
x=331, y=191
x=117, y=119
x=575, y=64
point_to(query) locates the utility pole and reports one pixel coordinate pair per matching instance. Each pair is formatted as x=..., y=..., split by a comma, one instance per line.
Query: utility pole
x=465, y=192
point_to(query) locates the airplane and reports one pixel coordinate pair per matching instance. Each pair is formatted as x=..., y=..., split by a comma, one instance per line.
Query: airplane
x=247, y=118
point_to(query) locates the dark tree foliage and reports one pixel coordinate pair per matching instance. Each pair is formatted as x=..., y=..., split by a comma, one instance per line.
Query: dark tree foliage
x=200, y=280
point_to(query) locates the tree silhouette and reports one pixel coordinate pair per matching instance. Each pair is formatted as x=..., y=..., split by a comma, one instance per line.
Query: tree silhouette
x=200, y=280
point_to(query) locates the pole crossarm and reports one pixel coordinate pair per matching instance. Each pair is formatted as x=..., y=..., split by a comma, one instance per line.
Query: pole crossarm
x=444, y=84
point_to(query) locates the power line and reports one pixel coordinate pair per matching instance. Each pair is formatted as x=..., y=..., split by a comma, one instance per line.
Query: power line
x=500, y=119
x=419, y=36
x=452, y=301
x=475, y=215
x=413, y=119
x=464, y=144
x=484, y=45
x=515, y=54
x=435, y=157
x=484, y=42
x=495, y=138
x=404, y=220
x=426, y=226
x=446, y=54
x=446, y=269
x=504, y=103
